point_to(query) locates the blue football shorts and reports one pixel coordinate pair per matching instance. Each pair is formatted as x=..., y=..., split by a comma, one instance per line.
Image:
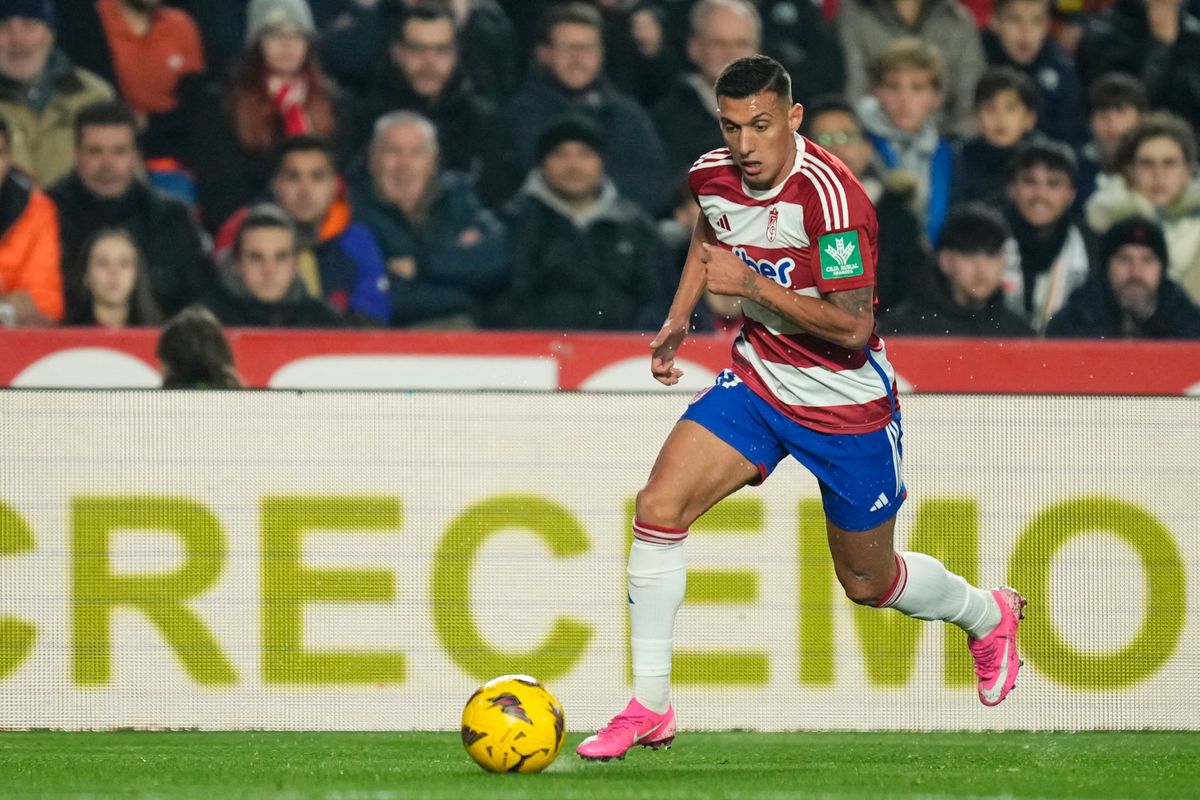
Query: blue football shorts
x=859, y=473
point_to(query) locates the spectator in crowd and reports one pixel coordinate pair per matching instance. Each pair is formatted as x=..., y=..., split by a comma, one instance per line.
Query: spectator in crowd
x=153, y=47
x=195, y=354
x=902, y=253
x=262, y=288
x=41, y=91
x=1005, y=115
x=222, y=30
x=104, y=191
x=906, y=81
x=969, y=298
x=718, y=312
x=1157, y=41
x=422, y=73
x=488, y=46
x=1116, y=103
x=1131, y=296
x=1019, y=37
x=339, y=259
x=686, y=119
x=639, y=60
x=796, y=35
x=30, y=282
x=278, y=90
x=115, y=287
x=568, y=77
x=1054, y=248
x=868, y=28
x=584, y=257
x=445, y=253
x=1156, y=164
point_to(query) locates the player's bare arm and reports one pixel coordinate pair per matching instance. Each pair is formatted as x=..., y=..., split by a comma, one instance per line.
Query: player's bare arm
x=844, y=318
x=691, y=287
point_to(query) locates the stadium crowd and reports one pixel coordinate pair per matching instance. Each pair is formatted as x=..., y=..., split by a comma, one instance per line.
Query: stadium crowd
x=523, y=163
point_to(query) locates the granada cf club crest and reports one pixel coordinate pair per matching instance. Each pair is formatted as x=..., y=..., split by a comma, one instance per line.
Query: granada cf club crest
x=772, y=224
x=509, y=704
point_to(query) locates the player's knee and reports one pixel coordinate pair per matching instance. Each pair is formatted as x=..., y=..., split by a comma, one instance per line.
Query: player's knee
x=660, y=508
x=865, y=590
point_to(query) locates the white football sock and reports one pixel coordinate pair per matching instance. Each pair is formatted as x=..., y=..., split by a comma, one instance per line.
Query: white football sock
x=657, y=580
x=930, y=591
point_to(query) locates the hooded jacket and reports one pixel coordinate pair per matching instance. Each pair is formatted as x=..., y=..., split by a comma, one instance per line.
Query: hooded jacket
x=29, y=247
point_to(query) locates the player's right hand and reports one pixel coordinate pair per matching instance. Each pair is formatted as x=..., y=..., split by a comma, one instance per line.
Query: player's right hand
x=662, y=353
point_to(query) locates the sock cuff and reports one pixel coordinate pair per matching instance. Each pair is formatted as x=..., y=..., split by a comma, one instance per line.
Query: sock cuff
x=656, y=534
x=898, y=583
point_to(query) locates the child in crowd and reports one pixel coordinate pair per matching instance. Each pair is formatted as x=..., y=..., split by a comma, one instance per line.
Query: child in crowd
x=1005, y=114
x=116, y=286
x=899, y=114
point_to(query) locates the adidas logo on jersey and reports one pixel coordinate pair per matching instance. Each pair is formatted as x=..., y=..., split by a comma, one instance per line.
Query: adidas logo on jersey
x=723, y=223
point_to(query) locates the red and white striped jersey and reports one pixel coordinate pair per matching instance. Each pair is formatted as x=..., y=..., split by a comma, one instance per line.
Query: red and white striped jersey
x=814, y=233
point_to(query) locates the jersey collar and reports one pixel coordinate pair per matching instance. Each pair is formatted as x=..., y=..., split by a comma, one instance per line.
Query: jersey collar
x=767, y=194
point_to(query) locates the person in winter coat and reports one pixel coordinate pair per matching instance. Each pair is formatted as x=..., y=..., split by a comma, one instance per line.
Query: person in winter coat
x=30, y=281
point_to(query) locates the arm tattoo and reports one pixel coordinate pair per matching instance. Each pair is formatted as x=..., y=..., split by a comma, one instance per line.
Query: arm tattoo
x=855, y=302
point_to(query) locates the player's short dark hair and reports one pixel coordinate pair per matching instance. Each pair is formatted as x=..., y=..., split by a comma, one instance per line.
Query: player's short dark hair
x=974, y=228
x=424, y=11
x=105, y=114
x=262, y=216
x=1152, y=126
x=750, y=75
x=567, y=14
x=1054, y=156
x=304, y=143
x=1117, y=90
x=1003, y=79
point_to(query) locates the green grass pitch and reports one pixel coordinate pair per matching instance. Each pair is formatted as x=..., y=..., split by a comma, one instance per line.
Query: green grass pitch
x=382, y=766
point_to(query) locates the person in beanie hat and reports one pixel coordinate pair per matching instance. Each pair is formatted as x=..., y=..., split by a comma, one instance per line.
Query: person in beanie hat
x=583, y=256
x=1131, y=297
x=265, y=15
x=41, y=90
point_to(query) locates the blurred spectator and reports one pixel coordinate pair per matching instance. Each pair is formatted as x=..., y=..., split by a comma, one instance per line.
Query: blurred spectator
x=105, y=191
x=222, y=30
x=639, y=60
x=445, y=252
x=41, y=91
x=1005, y=114
x=30, y=281
x=195, y=354
x=869, y=27
x=263, y=287
x=969, y=299
x=1019, y=37
x=902, y=258
x=278, y=90
x=1131, y=297
x=488, y=47
x=722, y=31
x=719, y=312
x=1116, y=103
x=422, y=73
x=1054, y=248
x=568, y=77
x=583, y=256
x=115, y=286
x=1156, y=162
x=340, y=259
x=795, y=34
x=906, y=85
x=1157, y=41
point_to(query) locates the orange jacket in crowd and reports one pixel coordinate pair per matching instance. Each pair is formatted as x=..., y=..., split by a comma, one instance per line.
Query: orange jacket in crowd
x=29, y=247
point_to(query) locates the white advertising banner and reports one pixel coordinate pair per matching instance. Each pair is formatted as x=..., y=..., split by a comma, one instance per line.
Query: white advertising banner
x=364, y=560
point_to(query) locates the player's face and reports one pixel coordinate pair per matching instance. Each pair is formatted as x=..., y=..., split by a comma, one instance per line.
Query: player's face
x=973, y=277
x=574, y=55
x=1004, y=119
x=1110, y=124
x=1022, y=28
x=111, y=271
x=1041, y=195
x=908, y=96
x=1134, y=273
x=267, y=263
x=759, y=131
x=427, y=55
x=573, y=171
x=840, y=134
x=1160, y=170
x=106, y=159
x=305, y=186
x=723, y=35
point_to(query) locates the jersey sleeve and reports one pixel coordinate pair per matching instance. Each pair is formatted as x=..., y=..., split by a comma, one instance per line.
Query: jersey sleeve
x=842, y=233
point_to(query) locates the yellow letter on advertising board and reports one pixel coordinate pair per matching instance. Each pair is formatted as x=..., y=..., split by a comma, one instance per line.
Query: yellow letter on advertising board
x=16, y=636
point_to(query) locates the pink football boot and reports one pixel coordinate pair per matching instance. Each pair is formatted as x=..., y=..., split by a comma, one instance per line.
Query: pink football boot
x=996, y=660
x=636, y=725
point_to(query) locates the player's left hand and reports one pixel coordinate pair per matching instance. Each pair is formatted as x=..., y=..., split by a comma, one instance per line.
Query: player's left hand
x=726, y=273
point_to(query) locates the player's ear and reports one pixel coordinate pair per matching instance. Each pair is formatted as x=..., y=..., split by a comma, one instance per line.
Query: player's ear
x=795, y=116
